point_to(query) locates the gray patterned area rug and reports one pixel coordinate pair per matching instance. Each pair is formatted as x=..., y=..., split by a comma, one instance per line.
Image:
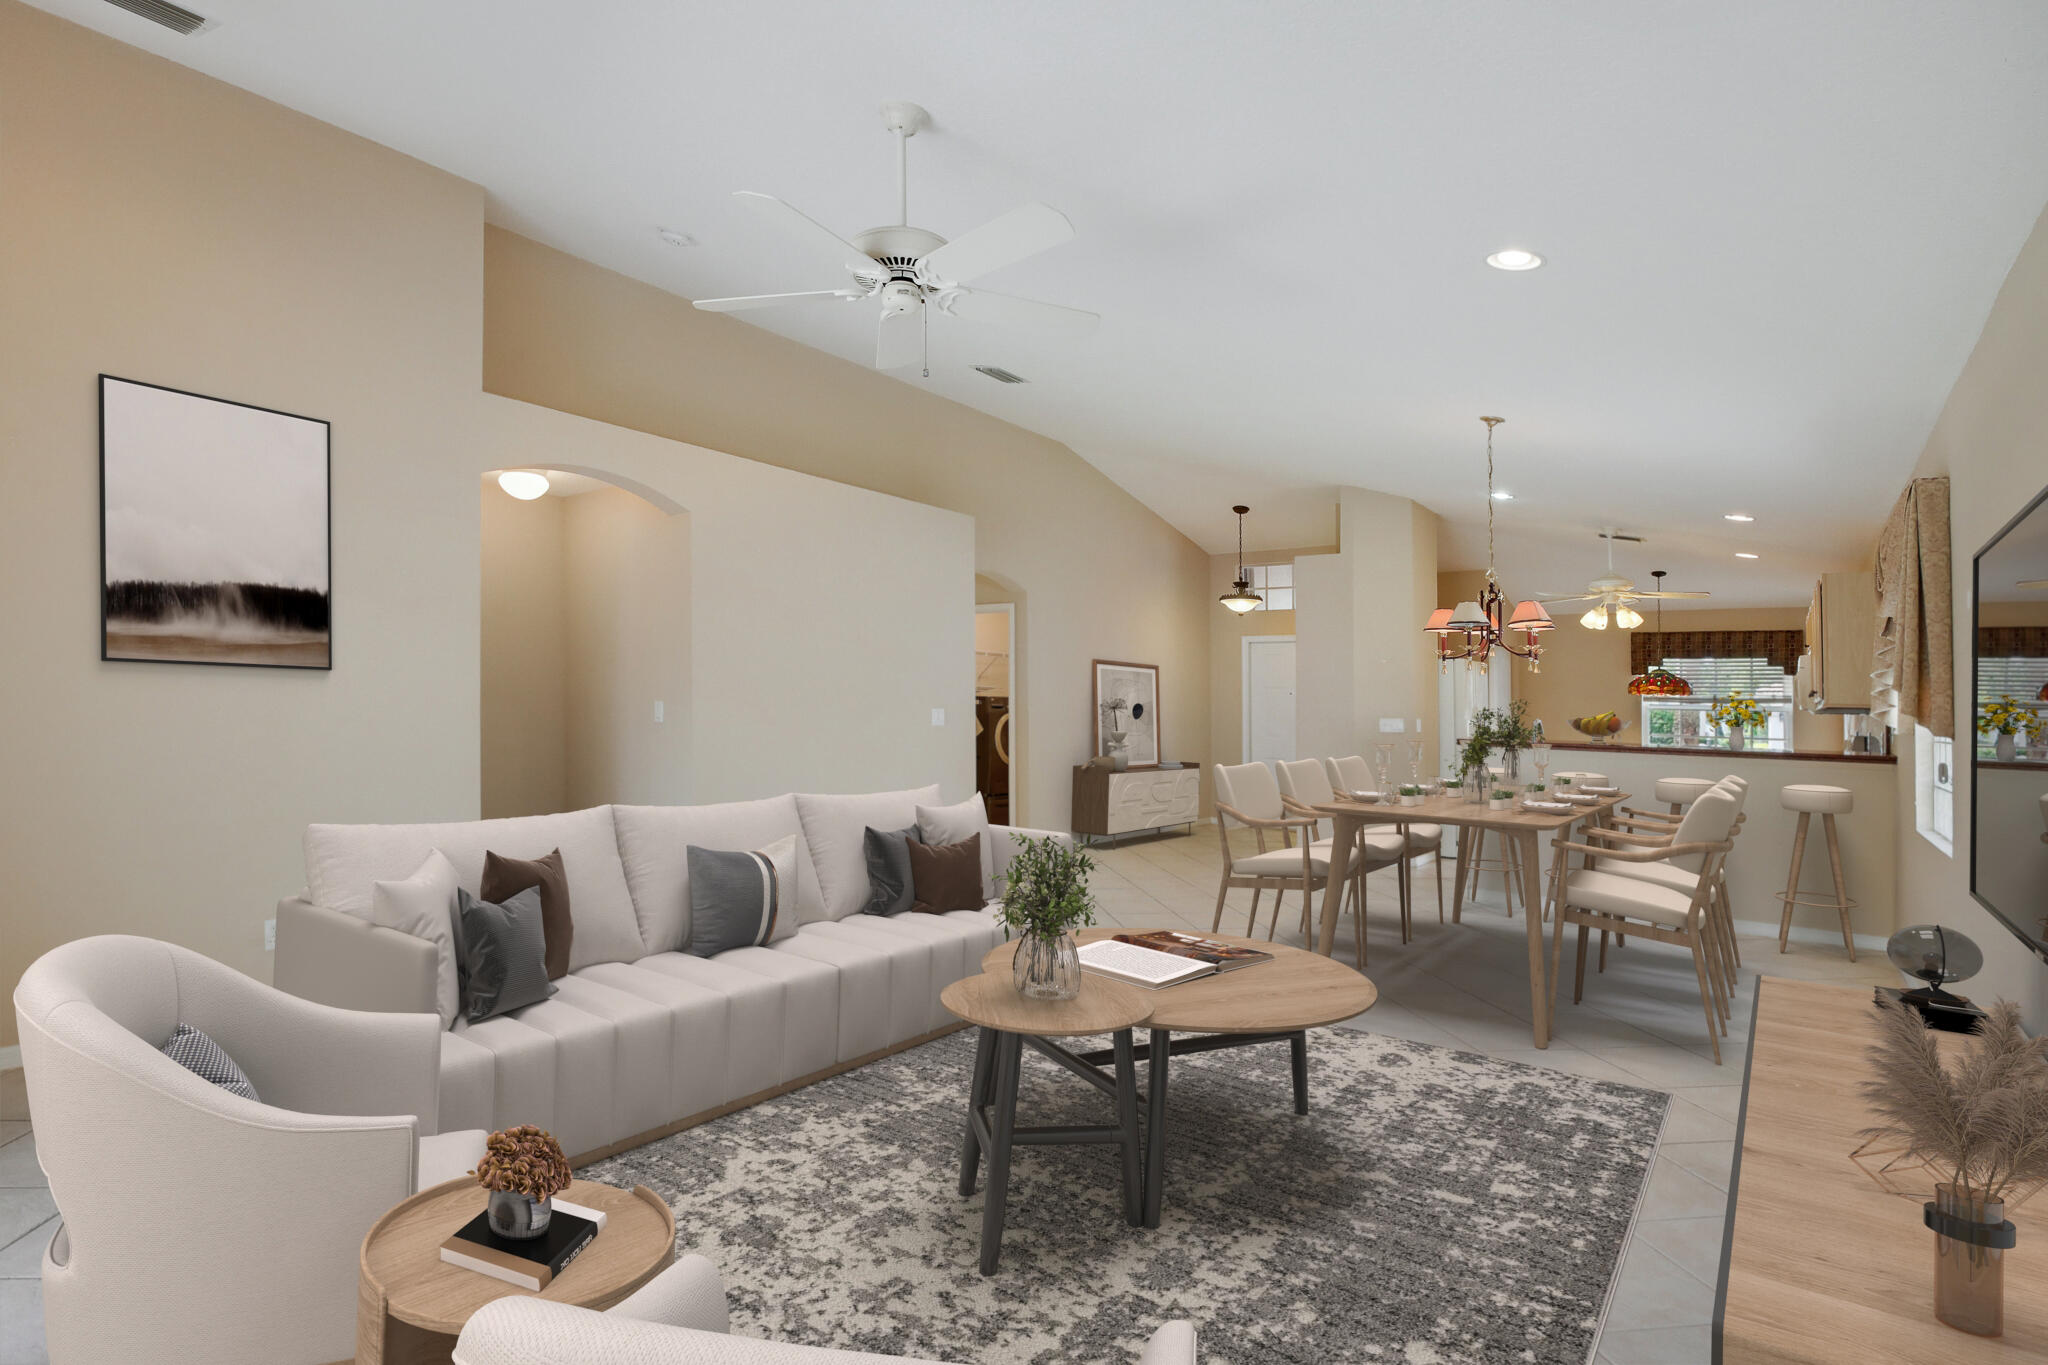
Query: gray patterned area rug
x=1434, y=1206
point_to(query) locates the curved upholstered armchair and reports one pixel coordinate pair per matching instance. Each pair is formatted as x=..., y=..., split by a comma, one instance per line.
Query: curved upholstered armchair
x=678, y=1318
x=196, y=1224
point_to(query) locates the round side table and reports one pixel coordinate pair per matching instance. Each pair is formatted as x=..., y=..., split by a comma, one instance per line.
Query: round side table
x=410, y=1304
x=1008, y=1021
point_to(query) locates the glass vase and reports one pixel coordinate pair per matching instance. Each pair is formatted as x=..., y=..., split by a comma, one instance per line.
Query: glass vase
x=1969, y=1277
x=519, y=1217
x=1047, y=966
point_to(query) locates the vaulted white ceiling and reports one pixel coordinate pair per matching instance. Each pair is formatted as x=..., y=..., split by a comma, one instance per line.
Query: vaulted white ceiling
x=1773, y=229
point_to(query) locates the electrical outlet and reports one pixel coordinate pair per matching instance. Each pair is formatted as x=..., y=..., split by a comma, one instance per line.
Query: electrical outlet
x=938, y=715
x=270, y=936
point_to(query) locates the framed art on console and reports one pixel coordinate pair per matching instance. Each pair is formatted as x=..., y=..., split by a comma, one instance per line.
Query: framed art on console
x=215, y=531
x=1127, y=712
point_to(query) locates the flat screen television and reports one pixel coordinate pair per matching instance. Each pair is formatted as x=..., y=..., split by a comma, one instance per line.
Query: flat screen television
x=2008, y=734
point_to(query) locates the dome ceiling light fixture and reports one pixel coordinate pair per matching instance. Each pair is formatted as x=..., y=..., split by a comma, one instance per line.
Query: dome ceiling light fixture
x=524, y=484
x=1514, y=258
x=1485, y=624
x=1241, y=598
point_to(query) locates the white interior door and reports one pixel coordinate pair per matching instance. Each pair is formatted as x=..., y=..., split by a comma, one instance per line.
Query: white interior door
x=1268, y=698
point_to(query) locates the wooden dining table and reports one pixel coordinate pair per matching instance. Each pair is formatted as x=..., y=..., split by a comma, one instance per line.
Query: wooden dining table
x=1520, y=827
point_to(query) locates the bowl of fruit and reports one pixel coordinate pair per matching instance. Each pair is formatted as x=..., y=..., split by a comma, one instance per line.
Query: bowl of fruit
x=1600, y=728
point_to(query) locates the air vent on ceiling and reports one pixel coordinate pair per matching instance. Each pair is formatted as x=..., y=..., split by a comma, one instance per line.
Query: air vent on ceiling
x=176, y=18
x=1001, y=375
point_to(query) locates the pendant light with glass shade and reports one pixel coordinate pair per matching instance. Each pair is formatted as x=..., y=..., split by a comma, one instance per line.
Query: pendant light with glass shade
x=1473, y=629
x=1241, y=598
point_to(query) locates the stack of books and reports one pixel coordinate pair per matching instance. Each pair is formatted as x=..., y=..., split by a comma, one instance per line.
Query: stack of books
x=533, y=1262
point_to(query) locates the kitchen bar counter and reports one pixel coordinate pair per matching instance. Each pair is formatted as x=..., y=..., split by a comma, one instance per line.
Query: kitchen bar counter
x=1805, y=755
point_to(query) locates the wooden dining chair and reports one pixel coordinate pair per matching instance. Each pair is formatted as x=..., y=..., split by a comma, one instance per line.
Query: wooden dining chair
x=1655, y=830
x=1354, y=774
x=1248, y=797
x=1304, y=785
x=1602, y=898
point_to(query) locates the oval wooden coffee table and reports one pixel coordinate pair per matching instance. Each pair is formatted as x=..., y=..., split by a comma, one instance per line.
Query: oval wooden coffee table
x=1270, y=1002
x=410, y=1304
x=1008, y=1021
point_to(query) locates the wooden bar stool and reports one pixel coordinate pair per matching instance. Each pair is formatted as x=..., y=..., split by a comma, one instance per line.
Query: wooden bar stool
x=1826, y=802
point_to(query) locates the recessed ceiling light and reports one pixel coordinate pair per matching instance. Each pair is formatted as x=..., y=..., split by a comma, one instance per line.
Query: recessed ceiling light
x=675, y=237
x=1737, y=516
x=1502, y=495
x=1514, y=258
x=1744, y=554
x=524, y=484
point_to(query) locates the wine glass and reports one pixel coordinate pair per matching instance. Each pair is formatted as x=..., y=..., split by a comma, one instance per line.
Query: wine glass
x=1415, y=763
x=1383, y=763
x=1540, y=751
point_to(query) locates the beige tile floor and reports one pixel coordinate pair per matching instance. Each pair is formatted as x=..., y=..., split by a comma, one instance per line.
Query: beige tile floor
x=1467, y=986
x=1462, y=985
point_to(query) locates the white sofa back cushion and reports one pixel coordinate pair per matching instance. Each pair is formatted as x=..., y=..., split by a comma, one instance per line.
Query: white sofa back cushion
x=342, y=861
x=834, y=826
x=653, y=844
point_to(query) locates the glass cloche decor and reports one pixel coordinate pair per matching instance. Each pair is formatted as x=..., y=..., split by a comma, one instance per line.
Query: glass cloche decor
x=1937, y=956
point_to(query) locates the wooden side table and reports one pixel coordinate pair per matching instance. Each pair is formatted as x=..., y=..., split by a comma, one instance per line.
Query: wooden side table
x=1008, y=1021
x=410, y=1304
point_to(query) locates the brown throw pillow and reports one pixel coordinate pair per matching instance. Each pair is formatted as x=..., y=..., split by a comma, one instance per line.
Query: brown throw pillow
x=505, y=878
x=946, y=876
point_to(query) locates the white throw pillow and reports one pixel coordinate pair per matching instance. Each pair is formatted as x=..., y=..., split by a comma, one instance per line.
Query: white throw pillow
x=835, y=828
x=957, y=824
x=423, y=905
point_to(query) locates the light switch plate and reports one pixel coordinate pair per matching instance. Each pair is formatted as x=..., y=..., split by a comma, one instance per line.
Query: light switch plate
x=660, y=712
x=270, y=936
x=1393, y=725
x=938, y=715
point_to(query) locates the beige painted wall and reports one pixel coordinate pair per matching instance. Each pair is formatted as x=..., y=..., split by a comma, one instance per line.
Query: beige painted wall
x=626, y=583
x=1227, y=632
x=797, y=681
x=523, y=633
x=1991, y=443
x=1104, y=577
x=162, y=226
x=1587, y=671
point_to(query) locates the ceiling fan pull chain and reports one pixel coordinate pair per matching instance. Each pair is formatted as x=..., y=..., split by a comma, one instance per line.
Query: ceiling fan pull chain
x=924, y=329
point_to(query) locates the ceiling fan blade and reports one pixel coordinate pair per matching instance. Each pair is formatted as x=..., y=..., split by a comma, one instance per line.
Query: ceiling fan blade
x=813, y=246
x=1564, y=597
x=1674, y=594
x=1004, y=310
x=746, y=301
x=898, y=341
x=997, y=243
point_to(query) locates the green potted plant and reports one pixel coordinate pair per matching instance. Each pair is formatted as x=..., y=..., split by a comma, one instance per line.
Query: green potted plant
x=1046, y=898
x=1507, y=729
x=1411, y=795
x=1502, y=799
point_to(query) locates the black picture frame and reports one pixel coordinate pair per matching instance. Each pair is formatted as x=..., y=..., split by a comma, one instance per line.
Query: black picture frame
x=2038, y=504
x=325, y=663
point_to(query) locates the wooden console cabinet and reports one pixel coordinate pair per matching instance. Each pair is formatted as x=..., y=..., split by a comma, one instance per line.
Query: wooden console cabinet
x=1109, y=804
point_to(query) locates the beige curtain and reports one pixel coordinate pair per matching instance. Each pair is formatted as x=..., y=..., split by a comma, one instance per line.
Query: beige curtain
x=1913, y=671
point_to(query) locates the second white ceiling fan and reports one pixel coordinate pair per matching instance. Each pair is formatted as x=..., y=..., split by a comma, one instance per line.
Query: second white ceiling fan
x=1614, y=595
x=910, y=269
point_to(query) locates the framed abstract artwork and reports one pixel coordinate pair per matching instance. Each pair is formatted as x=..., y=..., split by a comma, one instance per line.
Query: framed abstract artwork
x=1127, y=712
x=215, y=531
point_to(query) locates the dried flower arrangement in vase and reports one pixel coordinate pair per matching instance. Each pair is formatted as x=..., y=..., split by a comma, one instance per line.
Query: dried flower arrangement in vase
x=1980, y=1129
x=524, y=1169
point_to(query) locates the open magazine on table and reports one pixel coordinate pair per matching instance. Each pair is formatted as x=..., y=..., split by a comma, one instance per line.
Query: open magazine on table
x=1164, y=958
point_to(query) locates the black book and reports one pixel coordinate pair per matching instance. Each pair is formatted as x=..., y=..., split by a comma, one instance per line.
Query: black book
x=532, y=1262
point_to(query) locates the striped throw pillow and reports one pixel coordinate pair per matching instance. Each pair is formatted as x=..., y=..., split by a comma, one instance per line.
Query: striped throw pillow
x=741, y=900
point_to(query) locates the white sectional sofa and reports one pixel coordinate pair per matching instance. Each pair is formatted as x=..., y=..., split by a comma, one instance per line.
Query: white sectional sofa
x=643, y=1036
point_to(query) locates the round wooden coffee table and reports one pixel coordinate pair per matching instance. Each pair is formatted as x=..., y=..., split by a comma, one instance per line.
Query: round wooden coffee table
x=1270, y=1002
x=1008, y=1022
x=410, y=1304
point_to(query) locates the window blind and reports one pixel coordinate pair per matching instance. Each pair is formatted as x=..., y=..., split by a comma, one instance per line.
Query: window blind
x=1753, y=677
x=2018, y=678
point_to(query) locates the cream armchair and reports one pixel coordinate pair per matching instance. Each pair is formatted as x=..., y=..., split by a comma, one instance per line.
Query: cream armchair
x=679, y=1319
x=198, y=1225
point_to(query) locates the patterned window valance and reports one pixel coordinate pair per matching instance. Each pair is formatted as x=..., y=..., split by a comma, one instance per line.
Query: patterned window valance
x=1780, y=647
x=2012, y=642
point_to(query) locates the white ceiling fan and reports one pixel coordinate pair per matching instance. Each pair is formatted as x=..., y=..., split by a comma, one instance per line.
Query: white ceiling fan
x=1613, y=596
x=910, y=269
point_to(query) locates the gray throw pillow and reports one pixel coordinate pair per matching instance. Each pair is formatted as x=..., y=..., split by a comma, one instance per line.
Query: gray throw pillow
x=889, y=889
x=204, y=1058
x=503, y=954
x=741, y=900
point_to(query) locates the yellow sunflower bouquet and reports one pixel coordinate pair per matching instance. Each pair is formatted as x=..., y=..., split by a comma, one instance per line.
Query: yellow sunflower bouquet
x=2007, y=716
x=1737, y=710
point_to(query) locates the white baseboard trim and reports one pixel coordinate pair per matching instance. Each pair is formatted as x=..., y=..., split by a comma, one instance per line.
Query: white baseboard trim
x=10, y=1057
x=1802, y=933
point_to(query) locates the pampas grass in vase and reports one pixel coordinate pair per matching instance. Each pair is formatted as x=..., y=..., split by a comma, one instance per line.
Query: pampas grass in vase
x=1979, y=1124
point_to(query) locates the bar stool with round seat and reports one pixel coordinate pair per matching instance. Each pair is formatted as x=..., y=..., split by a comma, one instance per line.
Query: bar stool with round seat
x=1826, y=802
x=1680, y=792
